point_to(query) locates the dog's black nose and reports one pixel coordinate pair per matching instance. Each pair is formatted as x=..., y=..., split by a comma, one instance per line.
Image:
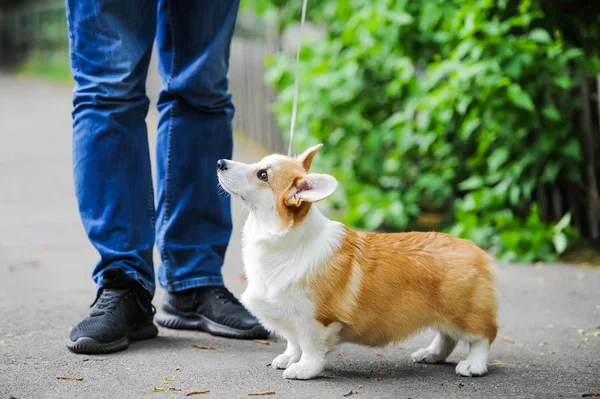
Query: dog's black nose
x=221, y=164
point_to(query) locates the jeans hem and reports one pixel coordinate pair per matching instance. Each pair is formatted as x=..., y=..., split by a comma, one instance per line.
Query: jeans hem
x=148, y=286
x=196, y=282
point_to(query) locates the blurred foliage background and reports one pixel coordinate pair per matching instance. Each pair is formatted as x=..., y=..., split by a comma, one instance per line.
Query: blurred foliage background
x=476, y=117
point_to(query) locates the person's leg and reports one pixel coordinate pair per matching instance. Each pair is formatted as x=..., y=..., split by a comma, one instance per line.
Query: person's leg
x=193, y=220
x=110, y=45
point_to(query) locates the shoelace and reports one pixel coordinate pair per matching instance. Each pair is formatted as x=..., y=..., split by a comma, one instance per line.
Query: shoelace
x=224, y=295
x=108, y=300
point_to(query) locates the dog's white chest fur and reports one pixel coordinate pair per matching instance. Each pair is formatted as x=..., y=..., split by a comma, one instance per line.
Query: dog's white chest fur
x=277, y=265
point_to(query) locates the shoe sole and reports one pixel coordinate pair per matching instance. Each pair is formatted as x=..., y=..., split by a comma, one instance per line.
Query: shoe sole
x=171, y=318
x=90, y=346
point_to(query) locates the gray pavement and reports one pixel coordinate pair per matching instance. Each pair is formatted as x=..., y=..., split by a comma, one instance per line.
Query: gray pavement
x=45, y=289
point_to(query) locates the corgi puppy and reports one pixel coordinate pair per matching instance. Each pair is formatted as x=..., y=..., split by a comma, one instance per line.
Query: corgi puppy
x=317, y=283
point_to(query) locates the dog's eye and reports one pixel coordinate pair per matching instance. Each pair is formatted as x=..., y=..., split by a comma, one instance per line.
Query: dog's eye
x=262, y=175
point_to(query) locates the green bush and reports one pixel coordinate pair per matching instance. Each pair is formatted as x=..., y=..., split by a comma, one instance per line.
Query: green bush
x=435, y=106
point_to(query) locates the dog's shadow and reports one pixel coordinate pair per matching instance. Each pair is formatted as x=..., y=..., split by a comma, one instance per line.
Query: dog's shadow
x=337, y=369
x=385, y=370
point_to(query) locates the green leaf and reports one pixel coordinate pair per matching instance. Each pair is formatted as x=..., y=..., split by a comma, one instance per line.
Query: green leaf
x=540, y=35
x=551, y=171
x=563, y=223
x=560, y=242
x=469, y=127
x=572, y=149
x=498, y=158
x=374, y=219
x=551, y=113
x=519, y=97
x=472, y=183
x=400, y=18
x=513, y=195
x=563, y=81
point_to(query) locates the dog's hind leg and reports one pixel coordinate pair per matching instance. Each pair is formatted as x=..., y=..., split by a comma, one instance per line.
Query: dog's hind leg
x=441, y=347
x=476, y=363
x=480, y=334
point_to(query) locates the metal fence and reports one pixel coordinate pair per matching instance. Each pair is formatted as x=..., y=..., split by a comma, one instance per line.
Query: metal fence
x=42, y=31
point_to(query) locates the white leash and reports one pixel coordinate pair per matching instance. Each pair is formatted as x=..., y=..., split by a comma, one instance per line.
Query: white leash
x=295, y=103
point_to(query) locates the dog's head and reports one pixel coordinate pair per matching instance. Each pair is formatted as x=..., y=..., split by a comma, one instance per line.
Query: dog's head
x=278, y=188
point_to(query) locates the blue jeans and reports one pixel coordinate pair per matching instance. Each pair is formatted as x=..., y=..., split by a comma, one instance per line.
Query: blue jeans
x=110, y=44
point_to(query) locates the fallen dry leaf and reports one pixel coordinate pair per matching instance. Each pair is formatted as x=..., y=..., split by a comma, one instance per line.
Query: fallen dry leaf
x=341, y=354
x=349, y=394
x=11, y=396
x=262, y=341
x=210, y=348
x=460, y=385
x=176, y=369
x=551, y=353
x=379, y=378
x=201, y=392
x=597, y=333
x=581, y=331
x=265, y=393
x=588, y=394
x=155, y=389
x=509, y=340
x=70, y=378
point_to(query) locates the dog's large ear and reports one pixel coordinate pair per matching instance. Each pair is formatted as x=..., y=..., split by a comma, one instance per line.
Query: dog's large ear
x=311, y=188
x=307, y=156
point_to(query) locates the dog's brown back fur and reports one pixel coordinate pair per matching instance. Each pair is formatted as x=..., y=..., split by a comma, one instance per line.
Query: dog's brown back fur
x=386, y=287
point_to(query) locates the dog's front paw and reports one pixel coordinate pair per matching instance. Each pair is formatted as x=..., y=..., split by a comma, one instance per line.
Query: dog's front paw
x=425, y=355
x=303, y=370
x=284, y=361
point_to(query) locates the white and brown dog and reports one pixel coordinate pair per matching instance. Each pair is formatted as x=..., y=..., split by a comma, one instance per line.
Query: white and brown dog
x=317, y=283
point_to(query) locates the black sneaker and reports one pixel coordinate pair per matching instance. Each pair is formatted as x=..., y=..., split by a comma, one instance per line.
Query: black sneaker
x=123, y=312
x=212, y=309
